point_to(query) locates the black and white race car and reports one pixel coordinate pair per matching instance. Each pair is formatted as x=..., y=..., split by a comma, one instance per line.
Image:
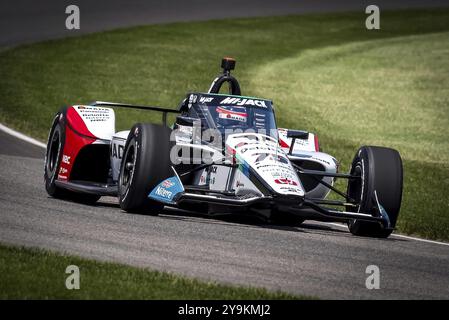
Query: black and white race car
x=224, y=154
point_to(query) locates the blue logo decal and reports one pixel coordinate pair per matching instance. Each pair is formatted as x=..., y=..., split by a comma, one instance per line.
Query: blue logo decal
x=167, y=190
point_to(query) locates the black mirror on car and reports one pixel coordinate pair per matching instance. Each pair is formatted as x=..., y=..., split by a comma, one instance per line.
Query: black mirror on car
x=297, y=134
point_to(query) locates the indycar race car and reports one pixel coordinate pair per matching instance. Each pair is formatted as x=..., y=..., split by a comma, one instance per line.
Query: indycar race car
x=223, y=155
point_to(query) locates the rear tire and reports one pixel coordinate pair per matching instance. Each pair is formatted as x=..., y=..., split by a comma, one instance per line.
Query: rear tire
x=381, y=171
x=146, y=163
x=53, y=157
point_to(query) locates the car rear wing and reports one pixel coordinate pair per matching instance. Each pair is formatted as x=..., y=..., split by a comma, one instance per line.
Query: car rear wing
x=135, y=106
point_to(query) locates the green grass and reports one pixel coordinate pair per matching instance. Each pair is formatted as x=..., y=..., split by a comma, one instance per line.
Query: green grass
x=326, y=73
x=38, y=274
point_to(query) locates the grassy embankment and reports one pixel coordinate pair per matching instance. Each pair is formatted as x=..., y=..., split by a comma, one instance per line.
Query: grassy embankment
x=39, y=274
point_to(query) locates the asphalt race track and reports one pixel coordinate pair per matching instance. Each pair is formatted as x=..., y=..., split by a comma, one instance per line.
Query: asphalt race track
x=314, y=259
x=25, y=21
x=317, y=259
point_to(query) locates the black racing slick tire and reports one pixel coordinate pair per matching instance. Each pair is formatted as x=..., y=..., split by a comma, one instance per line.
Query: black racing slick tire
x=145, y=163
x=381, y=172
x=53, y=158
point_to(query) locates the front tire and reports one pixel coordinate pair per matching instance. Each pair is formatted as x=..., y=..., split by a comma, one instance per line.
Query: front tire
x=381, y=171
x=146, y=163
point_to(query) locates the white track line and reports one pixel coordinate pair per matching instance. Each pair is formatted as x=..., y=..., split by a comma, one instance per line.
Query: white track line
x=21, y=136
x=396, y=235
x=419, y=239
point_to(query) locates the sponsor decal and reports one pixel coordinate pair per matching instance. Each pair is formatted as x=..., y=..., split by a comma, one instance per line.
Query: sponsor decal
x=206, y=99
x=117, y=150
x=258, y=148
x=290, y=190
x=164, y=193
x=273, y=167
x=244, y=102
x=287, y=189
x=285, y=181
x=62, y=170
x=277, y=171
x=66, y=159
x=224, y=113
x=167, y=190
x=94, y=114
x=167, y=183
x=320, y=160
x=192, y=98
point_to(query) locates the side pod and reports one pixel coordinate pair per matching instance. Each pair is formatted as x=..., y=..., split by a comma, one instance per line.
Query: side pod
x=85, y=126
